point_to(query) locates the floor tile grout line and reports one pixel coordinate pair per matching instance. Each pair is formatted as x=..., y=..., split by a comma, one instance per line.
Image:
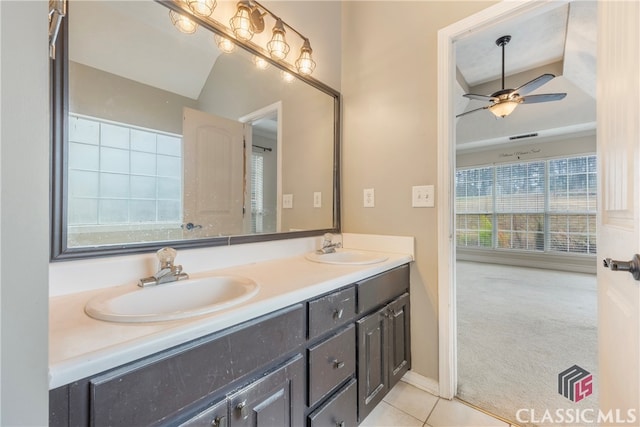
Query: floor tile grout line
x=432, y=409
x=406, y=413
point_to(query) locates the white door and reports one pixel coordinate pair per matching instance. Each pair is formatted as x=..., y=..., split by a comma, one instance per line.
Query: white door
x=214, y=175
x=619, y=220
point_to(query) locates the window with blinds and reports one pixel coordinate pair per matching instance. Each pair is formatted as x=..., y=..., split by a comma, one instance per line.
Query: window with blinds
x=543, y=206
x=474, y=204
x=257, y=192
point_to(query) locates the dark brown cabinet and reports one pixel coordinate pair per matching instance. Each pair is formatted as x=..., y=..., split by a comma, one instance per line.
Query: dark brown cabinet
x=399, y=334
x=323, y=362
x=331, y=362
x=384, y=352
x=216, y=415
x=276, y=399
x=340, y=410
x=372, y=362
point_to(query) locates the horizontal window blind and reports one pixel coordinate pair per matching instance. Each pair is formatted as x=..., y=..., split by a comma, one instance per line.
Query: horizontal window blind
x=544, y=206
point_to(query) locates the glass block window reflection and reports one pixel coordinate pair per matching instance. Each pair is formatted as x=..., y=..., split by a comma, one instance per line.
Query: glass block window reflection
x=121, y=174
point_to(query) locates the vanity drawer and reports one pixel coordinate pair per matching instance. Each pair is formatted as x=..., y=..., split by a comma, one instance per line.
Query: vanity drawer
x=340, y=410
x=331, y=311
x=331, y=362
x=378, y=290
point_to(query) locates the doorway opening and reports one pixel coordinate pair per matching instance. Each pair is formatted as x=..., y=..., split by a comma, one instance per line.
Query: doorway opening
x=263, y=153
x=495, y=318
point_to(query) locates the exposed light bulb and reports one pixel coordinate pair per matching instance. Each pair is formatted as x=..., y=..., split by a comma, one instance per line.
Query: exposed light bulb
x=278, y=47
x=241, y=22
x=224, y=44
x=182, y=23
x=287, y=77
x=260, y=62
x=305, y=63
x=202, y=7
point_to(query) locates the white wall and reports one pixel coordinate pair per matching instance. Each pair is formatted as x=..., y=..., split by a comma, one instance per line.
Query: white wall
x=24, y=212
x=389, y=87
x=527, y=150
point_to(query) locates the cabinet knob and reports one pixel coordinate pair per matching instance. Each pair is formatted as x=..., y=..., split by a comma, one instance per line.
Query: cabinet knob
x=340, y=424
x=337, y=313
x=219, y=422
x=338, y=364
x=242, y=408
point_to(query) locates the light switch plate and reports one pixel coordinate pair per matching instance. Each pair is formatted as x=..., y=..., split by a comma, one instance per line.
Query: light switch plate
x=317, y=199
x=287, y=201
x=369, y=198
x=423, y=196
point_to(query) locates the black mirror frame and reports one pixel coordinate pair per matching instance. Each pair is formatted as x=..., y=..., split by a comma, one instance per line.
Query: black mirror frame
x=59, y=104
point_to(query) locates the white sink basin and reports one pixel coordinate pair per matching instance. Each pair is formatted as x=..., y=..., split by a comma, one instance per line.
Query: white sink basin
x=346, y=257
x=170, y=301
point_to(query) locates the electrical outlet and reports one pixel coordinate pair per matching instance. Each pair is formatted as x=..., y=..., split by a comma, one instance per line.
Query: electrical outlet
x=287, y=201
x=317, y=199
x=369, y=198
x=422, y=196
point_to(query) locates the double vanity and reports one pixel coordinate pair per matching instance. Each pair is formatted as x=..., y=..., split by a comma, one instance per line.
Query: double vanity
x=305, y=340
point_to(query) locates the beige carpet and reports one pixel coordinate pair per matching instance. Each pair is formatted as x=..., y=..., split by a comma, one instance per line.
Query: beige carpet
x=518, y=328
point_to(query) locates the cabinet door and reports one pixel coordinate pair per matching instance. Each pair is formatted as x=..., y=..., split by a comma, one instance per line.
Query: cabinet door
x=214, y=416
x=399, y=339
x=372, y=362
x=276, y=399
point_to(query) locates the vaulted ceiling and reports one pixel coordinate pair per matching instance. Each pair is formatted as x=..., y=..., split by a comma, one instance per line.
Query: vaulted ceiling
x=560, y=40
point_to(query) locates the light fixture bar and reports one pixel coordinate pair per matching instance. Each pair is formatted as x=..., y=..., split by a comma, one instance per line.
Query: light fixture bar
x=255, y=11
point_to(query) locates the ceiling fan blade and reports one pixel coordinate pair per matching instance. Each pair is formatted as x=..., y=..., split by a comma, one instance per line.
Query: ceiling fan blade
x=534, y=84
x=546, y=97
x=479, y=97
x=472, y=111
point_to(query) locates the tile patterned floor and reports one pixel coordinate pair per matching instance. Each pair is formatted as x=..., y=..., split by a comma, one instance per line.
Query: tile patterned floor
x=408, y=406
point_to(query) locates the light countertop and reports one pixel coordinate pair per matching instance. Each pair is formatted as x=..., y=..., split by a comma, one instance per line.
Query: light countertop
x=81, y=346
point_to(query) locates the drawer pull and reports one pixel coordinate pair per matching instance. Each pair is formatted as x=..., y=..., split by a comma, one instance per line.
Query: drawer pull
x=337, y=314
x=219, y=422
x=338, y=364
x=340, y=424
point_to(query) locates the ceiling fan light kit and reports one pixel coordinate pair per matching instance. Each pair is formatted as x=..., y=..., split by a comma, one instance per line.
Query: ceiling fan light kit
x=505, y=101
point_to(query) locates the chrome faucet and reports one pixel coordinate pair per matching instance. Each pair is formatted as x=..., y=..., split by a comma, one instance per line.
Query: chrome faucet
x=167, y=271
x=328, y=247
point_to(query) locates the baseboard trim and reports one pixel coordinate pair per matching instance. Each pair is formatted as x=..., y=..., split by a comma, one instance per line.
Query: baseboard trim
x=423, y=383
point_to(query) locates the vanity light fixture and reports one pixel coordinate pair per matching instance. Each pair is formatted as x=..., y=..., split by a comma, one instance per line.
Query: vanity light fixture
x=224, y=44
x=202, y=7
x=260, y=62
x=241, y=23
x=182, y=22
x=278, y=47
x=305, y=63
x=248, y=20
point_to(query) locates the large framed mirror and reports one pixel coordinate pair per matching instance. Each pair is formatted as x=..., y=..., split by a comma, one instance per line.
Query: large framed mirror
x=159, y=138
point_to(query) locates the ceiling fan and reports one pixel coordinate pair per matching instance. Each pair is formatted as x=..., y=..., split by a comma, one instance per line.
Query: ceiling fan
x=504, y=101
